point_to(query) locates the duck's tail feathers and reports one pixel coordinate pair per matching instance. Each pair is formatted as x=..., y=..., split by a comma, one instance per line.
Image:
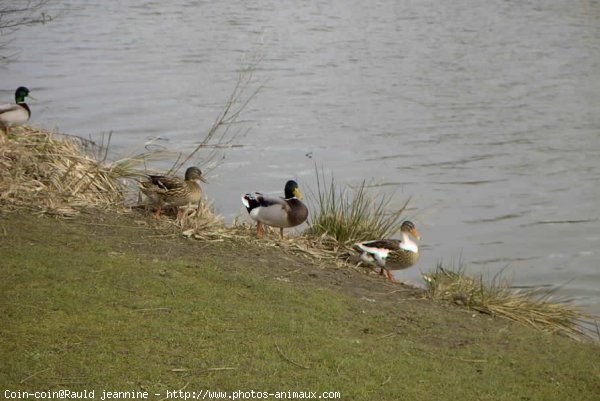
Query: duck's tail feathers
x=250, y=201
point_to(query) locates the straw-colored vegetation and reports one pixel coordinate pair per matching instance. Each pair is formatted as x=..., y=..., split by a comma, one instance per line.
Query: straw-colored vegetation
x=533, y=308
x=55, y=174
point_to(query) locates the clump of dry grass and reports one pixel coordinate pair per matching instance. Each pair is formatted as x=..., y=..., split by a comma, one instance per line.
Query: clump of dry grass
x=201, y=222
x=315, y=249
x=532, y=308
x=55, y=174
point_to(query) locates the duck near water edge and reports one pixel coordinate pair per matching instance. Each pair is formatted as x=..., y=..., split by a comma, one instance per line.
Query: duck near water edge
x=275, y=211
x=15, y=114
x=391, y=254
x=164, y=191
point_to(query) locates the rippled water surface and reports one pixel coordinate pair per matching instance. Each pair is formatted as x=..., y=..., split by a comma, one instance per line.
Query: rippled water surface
x=486, y=113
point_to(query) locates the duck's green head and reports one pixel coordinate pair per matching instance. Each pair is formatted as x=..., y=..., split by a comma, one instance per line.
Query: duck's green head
x=21, y=93
x=292, y=190
x=194, y=173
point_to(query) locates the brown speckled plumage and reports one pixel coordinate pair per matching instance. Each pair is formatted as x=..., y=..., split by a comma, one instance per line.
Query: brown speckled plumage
x=173, y=191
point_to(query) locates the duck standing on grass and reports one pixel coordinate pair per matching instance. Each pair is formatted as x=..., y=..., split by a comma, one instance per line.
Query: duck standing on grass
x=14, y=114
x=173, y=191
x=391, y=254
x=275, y=211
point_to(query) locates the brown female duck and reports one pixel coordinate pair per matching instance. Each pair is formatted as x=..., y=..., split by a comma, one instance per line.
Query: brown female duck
x=173, y=191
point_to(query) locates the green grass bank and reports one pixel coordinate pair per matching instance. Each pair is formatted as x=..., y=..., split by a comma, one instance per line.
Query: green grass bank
x=118, y=302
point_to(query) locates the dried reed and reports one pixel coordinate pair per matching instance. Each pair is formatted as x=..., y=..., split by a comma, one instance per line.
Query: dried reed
x=55, y=175
x=532, y=308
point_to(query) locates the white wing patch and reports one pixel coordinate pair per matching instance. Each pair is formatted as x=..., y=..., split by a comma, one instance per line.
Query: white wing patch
x=380, y=253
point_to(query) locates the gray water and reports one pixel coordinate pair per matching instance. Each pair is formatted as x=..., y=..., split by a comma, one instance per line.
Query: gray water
x=486, y=113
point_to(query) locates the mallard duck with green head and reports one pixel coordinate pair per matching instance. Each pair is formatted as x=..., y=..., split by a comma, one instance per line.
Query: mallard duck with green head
x=275, y=211
x=15, y=114
x=165, y=191
x=392, y=254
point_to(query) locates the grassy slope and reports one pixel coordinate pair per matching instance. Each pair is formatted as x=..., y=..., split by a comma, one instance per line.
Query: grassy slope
x=92, y=306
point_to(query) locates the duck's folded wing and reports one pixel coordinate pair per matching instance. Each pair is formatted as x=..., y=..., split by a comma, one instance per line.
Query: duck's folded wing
x=270, y=201
x=379, y=254
x=166, y=183
x=387, y=244
x=9, y=107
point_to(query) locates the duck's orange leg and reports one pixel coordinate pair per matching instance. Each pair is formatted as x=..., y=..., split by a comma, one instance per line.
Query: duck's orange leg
x=259, y=229
x=391, y=277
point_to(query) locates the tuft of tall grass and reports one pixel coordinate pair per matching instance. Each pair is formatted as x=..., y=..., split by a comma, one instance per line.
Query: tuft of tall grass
x=532, y=308
x=349, y=215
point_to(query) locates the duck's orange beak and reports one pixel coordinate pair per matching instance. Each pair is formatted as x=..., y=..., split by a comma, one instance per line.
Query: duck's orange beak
x=415, y=233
